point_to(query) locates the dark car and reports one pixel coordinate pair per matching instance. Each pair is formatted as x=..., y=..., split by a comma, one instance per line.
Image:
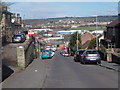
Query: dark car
x=18, y=38
x=91, y=56
x=77, y=55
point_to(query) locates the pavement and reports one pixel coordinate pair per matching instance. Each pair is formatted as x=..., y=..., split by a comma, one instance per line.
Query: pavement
x=22, y=78
x=110, y=65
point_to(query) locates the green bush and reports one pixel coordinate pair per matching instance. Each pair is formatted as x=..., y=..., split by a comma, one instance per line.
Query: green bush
x=35, y=54
x=117, y=54
x=103, y=49
x=92, y=44
x=118, y=51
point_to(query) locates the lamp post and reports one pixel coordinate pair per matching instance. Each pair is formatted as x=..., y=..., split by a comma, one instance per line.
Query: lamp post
x=77, y=40
x=96, y=32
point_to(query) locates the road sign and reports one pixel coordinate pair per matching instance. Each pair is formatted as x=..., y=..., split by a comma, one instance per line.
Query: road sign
x=31, y=32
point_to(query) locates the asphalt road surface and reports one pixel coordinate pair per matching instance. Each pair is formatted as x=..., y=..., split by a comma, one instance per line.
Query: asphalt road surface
x=63, y=72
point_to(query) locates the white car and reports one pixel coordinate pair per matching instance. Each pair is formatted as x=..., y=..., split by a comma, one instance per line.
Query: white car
x=66, y=54
x=52, y=53
x=54, y=49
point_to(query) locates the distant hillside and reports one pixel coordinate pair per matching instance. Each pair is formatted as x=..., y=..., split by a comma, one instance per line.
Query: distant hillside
x=52, y=20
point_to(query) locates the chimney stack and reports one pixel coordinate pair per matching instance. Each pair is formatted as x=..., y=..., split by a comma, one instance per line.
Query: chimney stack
x=19, y=19
x=13, y=19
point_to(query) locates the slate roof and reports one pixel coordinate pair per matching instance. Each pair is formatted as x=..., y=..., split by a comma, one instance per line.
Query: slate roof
x=16, y=24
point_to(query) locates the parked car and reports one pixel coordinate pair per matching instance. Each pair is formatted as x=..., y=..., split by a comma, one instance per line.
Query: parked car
x=52, y=53
x=66, y=54
x=23, y=34
x=54, y=48
x=46, y=54
x=77, y=55
x=91, y=56
x=18, y=38
x=61, y=52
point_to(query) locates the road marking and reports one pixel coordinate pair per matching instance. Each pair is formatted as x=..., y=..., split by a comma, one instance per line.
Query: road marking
x=36, y=70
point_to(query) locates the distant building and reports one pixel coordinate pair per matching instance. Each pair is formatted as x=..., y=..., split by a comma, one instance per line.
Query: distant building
x=49, y=34
x=98, y=32
x=69, y=32
x=10, y=25
x=46, y=30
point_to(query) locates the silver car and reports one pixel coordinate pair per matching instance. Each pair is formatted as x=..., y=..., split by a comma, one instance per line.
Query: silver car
x=18, y=38
x=91, y=56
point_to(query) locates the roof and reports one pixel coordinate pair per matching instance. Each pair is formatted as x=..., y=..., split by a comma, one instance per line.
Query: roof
x=113, y=23
x=51, y=32
x=85, y=45
x=55, y=42
x=6, y=12
x=17, y=24
x=86, y=38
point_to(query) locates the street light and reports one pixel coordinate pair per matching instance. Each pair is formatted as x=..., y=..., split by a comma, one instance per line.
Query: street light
x=96, y=16
x=96, y=33
x=77, y=40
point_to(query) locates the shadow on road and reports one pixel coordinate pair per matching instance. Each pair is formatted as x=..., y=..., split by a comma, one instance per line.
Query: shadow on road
x=6, y=72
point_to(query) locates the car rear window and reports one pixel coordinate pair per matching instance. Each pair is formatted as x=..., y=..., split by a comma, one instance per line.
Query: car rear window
x=81, y=52
x=45, y=51
x=17, y=35
x=92, y=52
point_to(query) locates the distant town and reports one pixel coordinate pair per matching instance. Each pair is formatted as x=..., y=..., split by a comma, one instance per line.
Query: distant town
x=65, y=23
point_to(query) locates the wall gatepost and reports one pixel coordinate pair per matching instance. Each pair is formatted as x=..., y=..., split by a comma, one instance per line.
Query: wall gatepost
x=109, y=55
x=21, y=57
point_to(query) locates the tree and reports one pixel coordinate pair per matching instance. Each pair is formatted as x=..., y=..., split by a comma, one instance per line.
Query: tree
x=73, y=42
x=92, y=44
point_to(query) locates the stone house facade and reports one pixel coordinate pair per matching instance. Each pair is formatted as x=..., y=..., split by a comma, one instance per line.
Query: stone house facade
x=112, y=34
x=10, y=25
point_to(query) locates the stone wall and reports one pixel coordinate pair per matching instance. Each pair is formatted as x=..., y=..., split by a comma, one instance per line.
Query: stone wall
x=18, y=54
x=10, y=55
x=29, y=54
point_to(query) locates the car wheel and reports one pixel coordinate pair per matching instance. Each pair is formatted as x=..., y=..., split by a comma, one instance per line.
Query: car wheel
x=82, y=62
x=98, y=63
x=75, y=60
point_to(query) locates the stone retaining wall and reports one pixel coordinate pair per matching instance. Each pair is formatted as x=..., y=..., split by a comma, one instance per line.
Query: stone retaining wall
x=18, y=54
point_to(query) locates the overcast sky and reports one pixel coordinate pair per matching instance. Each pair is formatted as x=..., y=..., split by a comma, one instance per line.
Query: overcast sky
x=38, y=10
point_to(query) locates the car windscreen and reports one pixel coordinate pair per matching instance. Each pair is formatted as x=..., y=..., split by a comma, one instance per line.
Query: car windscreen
x=92, y=52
